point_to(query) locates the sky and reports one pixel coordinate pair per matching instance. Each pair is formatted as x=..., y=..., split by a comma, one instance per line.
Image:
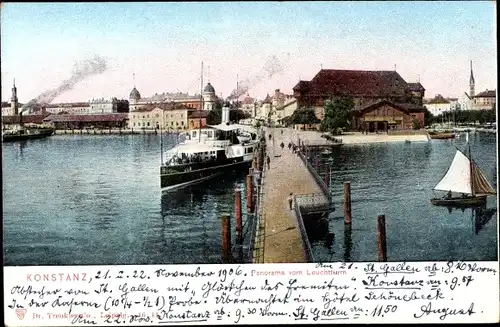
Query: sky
x=271, y=45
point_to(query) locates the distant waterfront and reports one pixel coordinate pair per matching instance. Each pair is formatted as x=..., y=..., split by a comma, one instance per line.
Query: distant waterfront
x=79, y=199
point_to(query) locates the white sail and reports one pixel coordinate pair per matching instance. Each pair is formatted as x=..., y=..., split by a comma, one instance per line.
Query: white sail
x=457, y=178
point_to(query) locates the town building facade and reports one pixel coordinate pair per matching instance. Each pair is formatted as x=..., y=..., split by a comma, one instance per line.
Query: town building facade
x=370, y=91
x=439, y=105
x=485, y=100
x=190, y=101
x=168, y=116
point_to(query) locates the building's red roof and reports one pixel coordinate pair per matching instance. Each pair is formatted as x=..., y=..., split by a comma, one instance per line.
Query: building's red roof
x=487, y=94
x=33, y=119
x=268, y=99
x=64, y=105
x=438, y=99
x=354, y=83
x=87, y=118
x=415, y=87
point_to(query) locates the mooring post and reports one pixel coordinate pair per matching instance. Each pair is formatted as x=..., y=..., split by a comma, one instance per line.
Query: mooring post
x=327, y=177
x=226, y=237
x=237, y=214
x=347, y=203
x=381, y=239
x=249, y=192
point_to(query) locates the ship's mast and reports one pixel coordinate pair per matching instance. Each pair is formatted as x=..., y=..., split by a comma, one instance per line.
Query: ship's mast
x=201, y=104
x=470, y=167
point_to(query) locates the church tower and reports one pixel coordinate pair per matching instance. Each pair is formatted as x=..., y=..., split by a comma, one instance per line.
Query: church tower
x=472, y=83
x=13, y=100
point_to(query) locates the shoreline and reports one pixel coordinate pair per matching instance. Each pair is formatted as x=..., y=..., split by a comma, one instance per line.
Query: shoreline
x=357, y=138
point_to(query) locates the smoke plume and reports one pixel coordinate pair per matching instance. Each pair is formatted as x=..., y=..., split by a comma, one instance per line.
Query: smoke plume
x=271, y=67
x=81, y=71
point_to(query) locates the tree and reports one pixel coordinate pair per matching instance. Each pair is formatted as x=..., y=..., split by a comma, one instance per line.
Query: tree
x=304, y=116
x=122, y=106
x=428, y=117
x=338, y=114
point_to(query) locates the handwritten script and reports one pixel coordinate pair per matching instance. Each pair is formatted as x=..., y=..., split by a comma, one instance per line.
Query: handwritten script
x=244, y=294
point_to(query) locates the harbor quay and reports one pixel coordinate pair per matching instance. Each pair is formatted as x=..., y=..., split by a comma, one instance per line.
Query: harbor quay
x=283, y=237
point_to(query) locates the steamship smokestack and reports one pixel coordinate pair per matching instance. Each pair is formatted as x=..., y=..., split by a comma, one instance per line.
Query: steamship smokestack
x=21, y=118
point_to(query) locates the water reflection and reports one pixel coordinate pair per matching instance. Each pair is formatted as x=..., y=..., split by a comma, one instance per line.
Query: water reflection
x=347, y=242
x=482, y=217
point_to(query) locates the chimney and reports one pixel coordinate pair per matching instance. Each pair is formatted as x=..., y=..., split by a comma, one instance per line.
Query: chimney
x=225, y=115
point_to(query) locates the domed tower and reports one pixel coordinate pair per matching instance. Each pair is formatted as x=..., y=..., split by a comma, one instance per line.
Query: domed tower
x=209, y=97
x=134, y=97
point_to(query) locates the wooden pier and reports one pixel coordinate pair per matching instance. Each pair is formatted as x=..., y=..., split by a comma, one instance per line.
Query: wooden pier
x=282, y=233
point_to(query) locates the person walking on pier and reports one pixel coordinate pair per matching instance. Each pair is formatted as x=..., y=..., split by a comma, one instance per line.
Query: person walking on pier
x=290, y=201
x=268, y=162
x=282, y=145
x=289, y=145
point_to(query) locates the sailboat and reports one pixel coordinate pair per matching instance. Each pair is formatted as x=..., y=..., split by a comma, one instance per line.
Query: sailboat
x=465, y=178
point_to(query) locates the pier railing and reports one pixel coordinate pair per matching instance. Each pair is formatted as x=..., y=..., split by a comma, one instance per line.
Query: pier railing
x=298, y=202
x=317, y=178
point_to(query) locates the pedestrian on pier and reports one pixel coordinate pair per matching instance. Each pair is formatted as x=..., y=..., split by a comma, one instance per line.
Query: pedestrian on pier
x=281, y=132
x=268, y=162
x=290, y=200
x=270, y=136
x=282, y=145
x=289, y=145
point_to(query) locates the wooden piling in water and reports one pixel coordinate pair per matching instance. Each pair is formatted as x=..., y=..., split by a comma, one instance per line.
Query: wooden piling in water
x=237, y=214
x=226, y=237
x=347, y=203
x=317, y=163
x=327, y=177
x=381, y=239
x=249, y=192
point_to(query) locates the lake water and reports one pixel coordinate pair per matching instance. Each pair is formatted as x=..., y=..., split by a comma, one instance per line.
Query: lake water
x=95, y=200
x=397, y=180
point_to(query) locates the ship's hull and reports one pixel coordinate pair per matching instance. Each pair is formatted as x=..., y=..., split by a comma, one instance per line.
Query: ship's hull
x=460, y=201
x=198, y=172
x=11, y=137
x=442, y=136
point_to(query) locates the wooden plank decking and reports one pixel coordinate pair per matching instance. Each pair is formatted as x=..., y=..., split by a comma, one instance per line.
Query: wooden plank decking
x=282, y=240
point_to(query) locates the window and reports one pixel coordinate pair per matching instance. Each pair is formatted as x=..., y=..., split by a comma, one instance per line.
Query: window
x=157, y=115
x=134, y=124
x=142, y=116
x=209, y=134
x=194, y=134
x=148, y=123
x=182, y=115
x=182, y=123
x=171, y=123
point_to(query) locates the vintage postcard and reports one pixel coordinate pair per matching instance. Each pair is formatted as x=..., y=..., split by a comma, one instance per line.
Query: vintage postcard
x=249, y=163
